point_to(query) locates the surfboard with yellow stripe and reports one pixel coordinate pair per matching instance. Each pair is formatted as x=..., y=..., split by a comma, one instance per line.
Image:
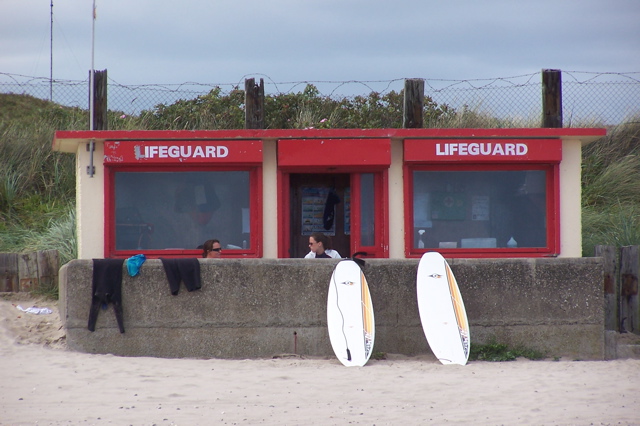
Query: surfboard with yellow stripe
x=350, y=317
x=442, y=312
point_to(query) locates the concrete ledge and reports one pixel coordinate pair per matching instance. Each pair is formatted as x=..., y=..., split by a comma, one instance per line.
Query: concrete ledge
x=255, y=308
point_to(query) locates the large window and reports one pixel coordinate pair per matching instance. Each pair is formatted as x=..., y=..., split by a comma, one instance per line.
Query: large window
x=174, y=212
x=487, y=210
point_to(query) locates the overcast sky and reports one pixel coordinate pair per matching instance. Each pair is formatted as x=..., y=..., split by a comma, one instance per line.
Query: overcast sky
x=225, y=41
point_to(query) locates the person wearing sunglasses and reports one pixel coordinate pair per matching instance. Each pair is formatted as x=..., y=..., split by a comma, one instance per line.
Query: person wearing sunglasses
x=211, y=249
x=319, y=245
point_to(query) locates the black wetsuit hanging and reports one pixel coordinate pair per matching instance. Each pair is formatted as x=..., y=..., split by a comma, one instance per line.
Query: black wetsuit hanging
x=185, y=270
x=330, y=209
x=106, y=288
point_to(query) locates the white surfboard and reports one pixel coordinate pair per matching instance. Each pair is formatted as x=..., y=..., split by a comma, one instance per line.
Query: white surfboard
x=350, y=315
x=442, y=313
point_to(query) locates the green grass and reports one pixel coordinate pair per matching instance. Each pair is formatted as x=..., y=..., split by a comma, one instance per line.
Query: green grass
x=37, y=185
x=23, y=108
x=379, y=356
x=611, y=189
x=496, y=352
x=616, y=225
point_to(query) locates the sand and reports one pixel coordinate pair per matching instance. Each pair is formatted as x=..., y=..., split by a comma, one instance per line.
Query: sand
x=43, y=383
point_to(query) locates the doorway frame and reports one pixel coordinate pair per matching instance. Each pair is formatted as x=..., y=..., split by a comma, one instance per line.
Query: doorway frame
x=381, y=194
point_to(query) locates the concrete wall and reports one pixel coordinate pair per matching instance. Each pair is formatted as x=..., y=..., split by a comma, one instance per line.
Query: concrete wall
x=256, y=308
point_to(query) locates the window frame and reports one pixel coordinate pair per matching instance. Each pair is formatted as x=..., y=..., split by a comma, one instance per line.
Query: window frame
x=255, y=207
x=552, y=210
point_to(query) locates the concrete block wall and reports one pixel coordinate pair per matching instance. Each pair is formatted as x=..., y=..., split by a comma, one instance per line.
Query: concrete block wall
x=256, y=308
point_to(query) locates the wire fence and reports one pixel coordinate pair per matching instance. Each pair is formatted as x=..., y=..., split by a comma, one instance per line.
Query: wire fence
x=604, y=98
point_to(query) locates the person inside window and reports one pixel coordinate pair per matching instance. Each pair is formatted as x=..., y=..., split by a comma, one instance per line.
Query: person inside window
x=211, y=249
x=319, y=244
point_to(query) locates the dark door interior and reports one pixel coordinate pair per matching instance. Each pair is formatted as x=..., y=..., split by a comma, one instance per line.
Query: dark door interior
x=308, y=200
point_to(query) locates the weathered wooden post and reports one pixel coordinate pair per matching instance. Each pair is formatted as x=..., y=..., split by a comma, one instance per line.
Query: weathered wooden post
x=412, y=117
x=100, y=121
x=27, y=272
x=629, y=261
x=9, y=272
x=608, y=254
x=552, y=98
x=48, y=264
x=253, y=104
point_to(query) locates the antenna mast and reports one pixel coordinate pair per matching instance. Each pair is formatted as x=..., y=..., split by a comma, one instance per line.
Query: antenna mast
x=92, y=72
x=92, y=143
x=51, y=56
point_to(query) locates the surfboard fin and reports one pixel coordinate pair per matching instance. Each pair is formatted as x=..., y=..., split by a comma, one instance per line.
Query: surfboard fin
x=360, y=262
x=348, y=355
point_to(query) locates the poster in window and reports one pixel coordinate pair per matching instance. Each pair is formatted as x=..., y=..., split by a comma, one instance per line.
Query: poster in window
x=448, y=206
x=313, y=202
x=480, y=207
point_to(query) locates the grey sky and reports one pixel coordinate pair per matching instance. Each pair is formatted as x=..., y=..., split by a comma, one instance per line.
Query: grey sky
x=225, y=41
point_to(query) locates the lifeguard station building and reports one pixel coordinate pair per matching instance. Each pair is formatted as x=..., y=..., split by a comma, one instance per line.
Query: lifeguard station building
x=395, y=193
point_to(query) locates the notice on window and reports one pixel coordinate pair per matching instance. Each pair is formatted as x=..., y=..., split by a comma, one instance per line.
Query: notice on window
x=480, y=207
x=313, y=201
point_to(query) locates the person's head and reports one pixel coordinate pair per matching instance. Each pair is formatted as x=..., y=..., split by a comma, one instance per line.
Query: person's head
x=211, y=249
x=318, y=243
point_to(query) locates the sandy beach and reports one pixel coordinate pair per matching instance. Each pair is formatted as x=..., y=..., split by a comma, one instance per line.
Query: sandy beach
x=43, y=383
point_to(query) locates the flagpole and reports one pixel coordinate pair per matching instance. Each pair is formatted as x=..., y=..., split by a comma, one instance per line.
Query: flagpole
x=51, y=55
x=92, y=72
x=92, y=143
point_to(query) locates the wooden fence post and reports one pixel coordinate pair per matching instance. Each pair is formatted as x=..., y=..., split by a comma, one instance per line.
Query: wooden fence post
x=100, y=121
x=629, y=261
x=253, y=104
x=608, y=254
x=9, y=272
x=27, y=272
x=552, y=98
x=412, y=117
x=48, y=264
x=24, y=272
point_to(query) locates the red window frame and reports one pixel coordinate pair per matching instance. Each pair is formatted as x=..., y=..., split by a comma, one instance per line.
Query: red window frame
x=486, y=154
x=552, y=211
x=255, y=205
x=381, y=247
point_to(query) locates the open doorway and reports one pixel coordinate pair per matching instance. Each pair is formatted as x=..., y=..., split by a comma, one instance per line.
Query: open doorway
x=309, y=199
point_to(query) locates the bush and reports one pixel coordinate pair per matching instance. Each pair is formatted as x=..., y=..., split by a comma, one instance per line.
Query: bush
x=500, y=352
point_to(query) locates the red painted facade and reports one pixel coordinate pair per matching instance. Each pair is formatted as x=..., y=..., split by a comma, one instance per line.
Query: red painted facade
x=355, y=153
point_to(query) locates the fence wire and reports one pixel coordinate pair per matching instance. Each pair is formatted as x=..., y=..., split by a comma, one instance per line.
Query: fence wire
x=587, y=98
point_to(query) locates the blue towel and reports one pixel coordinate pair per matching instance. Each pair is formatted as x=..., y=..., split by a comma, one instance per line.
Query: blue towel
x=134, y=263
